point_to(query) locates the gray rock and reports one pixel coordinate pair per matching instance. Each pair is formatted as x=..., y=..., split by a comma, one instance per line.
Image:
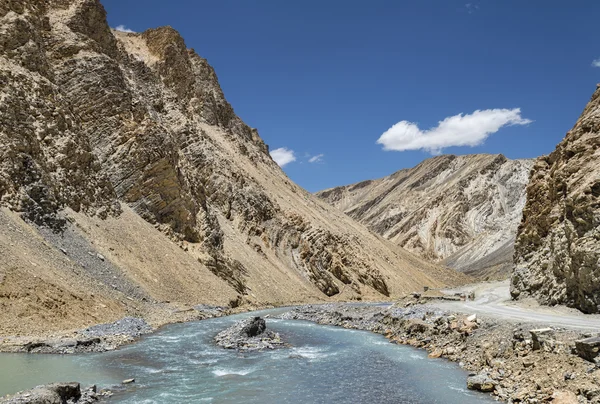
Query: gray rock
x=588, y=349
x=481, y=382
x=540, y=337
x=255, y=327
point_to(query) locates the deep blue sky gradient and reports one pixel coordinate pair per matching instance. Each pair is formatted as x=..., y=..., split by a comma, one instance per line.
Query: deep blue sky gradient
x=331, y=76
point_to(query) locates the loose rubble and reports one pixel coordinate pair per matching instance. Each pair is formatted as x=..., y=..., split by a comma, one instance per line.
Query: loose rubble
x=55, y=393
x=250, y=335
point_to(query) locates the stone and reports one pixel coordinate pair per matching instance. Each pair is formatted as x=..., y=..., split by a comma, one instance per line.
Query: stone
x=415, y=326
x=588, y=349
x=100, y=257
x=540, y=336
x=467, y=327
x=564, y=397
x=472, y=318
x=256, y=327
x=528, y=362
x=436, y=353
x=481, y=382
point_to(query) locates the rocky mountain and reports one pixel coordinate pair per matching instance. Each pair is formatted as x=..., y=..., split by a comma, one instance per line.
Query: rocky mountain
x=462, y=211
x=557, y=257
x=143, y=192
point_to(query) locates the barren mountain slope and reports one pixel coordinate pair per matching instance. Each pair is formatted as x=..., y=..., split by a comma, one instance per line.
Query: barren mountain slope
x=557, y=252
x=143, y=191
x=462, y=211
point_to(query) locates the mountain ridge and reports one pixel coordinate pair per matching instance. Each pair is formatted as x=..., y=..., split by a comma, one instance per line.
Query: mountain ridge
x=405, y=207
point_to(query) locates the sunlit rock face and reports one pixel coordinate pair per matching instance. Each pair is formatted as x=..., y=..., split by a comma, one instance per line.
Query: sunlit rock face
x=557, y=254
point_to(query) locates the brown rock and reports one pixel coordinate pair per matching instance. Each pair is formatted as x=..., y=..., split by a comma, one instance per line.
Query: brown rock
x=436, y=353
x=558, y=241
x=589, y=349
x=564, y=397
x=481, y=382
x=540, y=337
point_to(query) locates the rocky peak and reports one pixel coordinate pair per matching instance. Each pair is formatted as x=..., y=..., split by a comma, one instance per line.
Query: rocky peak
x=88, y=19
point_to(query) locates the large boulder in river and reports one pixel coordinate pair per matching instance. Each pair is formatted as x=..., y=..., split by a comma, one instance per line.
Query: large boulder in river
x=255, y=327
x=249, y=335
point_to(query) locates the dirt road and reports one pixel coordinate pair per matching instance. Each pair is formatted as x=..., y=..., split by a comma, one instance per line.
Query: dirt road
x=493, y=299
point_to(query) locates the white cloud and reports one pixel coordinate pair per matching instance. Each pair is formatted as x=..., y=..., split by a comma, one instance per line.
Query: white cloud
x=471, y=7
x=596, y=62
x=316, y=159
x=283, y=156
x=458, y=130
x=123, y=28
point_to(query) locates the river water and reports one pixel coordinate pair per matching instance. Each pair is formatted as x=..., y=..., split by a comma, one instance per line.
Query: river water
x=180, y=364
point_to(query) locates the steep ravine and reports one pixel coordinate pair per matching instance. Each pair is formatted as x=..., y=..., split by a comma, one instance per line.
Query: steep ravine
x=462, y=211
x=150, y=193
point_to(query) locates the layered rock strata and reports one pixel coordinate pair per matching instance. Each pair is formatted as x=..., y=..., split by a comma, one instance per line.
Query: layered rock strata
x=462, y=211
x=557, y=252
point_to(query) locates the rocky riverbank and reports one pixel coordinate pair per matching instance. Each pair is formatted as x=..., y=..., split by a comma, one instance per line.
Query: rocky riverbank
x=515, y=362
x=104, y=337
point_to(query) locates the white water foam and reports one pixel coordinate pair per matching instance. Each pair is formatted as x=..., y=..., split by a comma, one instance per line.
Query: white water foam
x=226, y=372
x=310, y=352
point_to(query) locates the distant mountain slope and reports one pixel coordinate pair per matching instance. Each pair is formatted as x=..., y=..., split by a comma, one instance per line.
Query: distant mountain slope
x=557, y=258
x=144, y=192
x=459, y=210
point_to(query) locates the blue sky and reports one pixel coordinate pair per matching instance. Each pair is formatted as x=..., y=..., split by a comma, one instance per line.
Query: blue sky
x=331, y=77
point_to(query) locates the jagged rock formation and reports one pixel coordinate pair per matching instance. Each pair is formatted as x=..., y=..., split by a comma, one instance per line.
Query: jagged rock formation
x=100, y=129
x=462, y=211
x=557, y=252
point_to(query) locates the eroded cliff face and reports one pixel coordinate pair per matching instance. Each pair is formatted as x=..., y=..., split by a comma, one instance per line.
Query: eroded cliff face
x=557, y=252
x=462, y=211
x=96, y=123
